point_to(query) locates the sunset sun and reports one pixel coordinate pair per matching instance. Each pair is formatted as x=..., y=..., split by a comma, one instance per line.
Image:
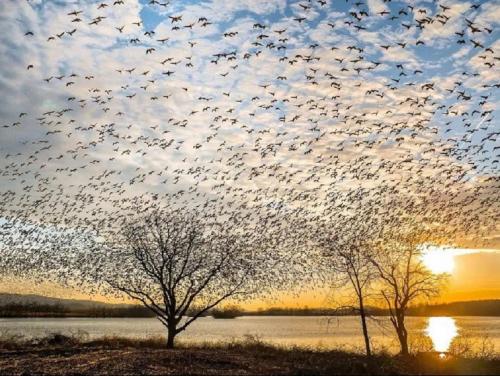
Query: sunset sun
x=438, y=260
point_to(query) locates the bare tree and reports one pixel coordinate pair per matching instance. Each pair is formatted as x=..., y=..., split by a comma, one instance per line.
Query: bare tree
x=404, y=277
x=346, y=256
x=175, y=264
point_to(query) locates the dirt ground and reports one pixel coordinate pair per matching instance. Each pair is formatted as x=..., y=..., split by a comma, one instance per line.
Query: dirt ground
x=256, y=360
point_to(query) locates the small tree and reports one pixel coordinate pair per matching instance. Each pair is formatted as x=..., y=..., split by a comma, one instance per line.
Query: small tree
x=403, y=276
x=176, y=265
x=346, y=255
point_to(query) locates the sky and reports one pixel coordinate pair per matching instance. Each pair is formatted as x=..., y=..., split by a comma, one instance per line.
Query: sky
x=303, y=110
x=473, y=277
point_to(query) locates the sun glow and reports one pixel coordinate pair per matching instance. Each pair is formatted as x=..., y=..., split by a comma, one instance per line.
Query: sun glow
x=441, y=330
x=438, y=260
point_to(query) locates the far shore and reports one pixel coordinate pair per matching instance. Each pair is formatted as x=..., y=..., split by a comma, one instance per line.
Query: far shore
x=86, y=309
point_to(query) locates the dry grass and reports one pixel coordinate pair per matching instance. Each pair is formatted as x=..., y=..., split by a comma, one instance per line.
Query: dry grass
x=58, y=354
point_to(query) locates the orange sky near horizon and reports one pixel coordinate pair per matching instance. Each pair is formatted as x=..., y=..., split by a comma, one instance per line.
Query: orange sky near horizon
x=475, y=276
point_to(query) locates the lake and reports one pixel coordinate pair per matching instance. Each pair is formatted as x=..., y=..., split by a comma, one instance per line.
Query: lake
x=428, y=333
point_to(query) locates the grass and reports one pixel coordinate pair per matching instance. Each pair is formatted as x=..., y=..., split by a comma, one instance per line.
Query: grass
x=59, y=354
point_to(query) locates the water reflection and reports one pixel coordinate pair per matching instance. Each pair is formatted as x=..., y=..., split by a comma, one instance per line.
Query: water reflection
x=441, y=330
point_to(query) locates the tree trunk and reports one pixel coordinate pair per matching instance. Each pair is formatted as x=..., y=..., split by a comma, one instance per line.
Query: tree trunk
x=402, y=335
x=170, y=338
x=403, y=340
x=362, y=314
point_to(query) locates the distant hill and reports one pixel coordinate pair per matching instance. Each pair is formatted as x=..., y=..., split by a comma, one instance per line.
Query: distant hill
x=6, y=298
x=18, y=305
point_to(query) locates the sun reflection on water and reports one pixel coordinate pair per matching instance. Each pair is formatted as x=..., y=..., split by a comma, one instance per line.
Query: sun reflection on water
x=441, y=330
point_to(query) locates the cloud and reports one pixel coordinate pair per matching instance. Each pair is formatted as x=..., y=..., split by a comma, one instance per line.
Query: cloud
x=377, y=6
x=292, y=108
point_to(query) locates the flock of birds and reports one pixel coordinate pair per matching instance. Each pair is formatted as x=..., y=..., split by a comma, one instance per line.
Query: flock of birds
x=278, y=133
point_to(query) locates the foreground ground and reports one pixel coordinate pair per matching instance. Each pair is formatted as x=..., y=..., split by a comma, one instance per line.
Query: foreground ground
x=63, y=356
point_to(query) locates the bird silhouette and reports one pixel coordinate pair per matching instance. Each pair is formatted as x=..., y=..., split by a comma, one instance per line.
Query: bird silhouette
x=286, y=124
